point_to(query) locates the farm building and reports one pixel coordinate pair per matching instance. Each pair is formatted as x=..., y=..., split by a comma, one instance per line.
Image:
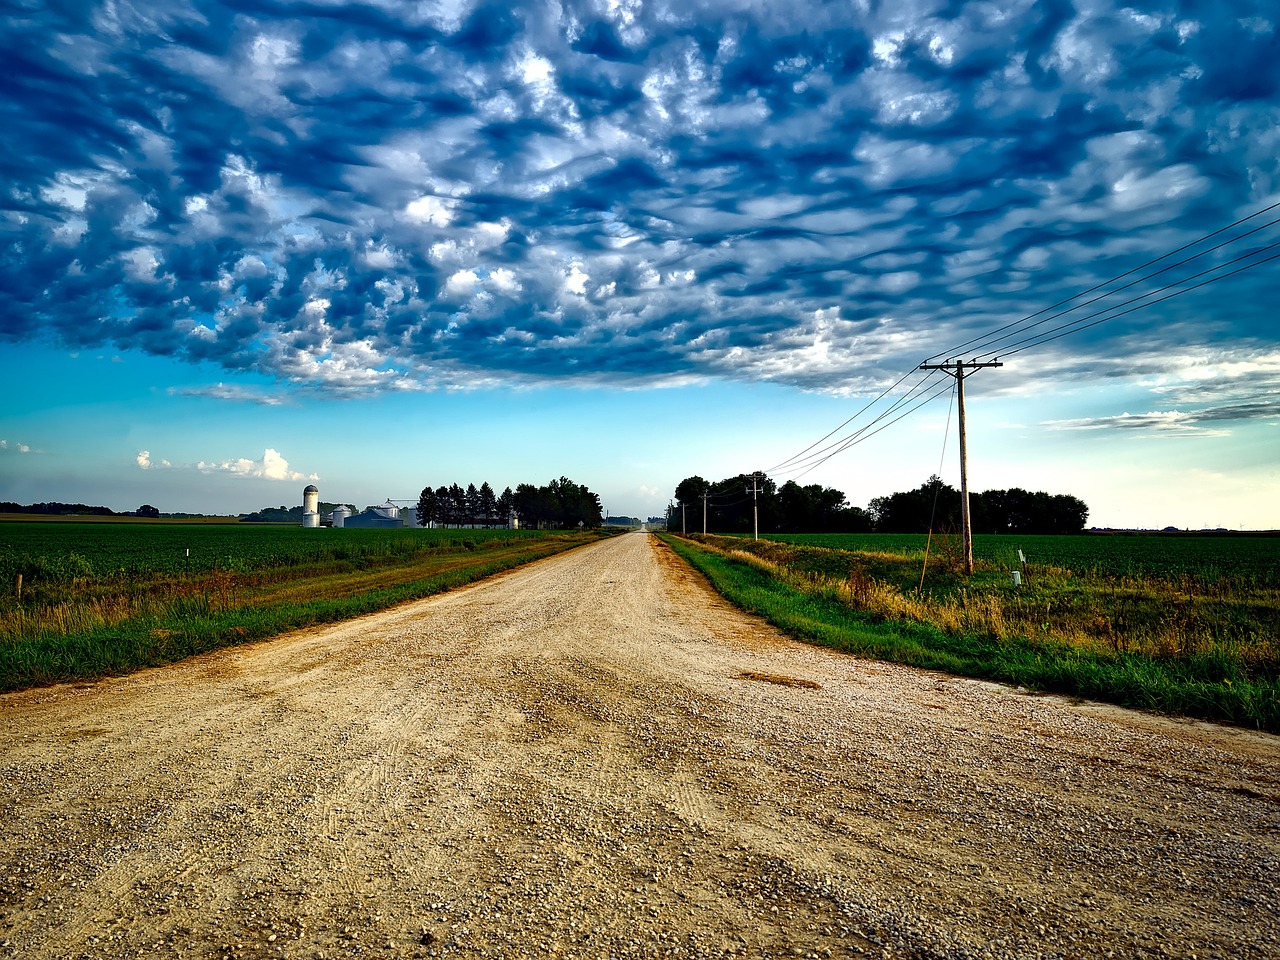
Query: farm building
x=311, y=506
x=386, y=515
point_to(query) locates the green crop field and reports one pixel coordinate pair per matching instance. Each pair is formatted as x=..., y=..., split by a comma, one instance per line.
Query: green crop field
x=1209, y=557
x=1183, y=623
x=45, y=552
x=84, y=600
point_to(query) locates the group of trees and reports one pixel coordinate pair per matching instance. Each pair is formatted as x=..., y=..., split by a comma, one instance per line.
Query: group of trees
x=992, y=511
x=557, y=504
x=732, y=505
x=57, y=509
x=736, y=504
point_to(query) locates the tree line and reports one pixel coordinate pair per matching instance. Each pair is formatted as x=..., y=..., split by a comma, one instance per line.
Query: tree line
x=559, y=504
x=735, y=504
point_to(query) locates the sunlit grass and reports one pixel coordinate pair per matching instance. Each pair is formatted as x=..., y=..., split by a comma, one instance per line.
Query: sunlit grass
x=80, y=618
x=1179, y=645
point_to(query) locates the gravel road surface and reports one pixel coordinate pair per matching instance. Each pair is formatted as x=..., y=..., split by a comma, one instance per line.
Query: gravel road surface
x=595, y=756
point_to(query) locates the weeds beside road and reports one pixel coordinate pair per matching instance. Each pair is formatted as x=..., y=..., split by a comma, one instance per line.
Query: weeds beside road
x=98, y=601
x=1153, y=643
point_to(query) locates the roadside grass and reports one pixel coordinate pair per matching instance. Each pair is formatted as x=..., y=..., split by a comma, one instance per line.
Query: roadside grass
x=77, y=625
x=869, y=604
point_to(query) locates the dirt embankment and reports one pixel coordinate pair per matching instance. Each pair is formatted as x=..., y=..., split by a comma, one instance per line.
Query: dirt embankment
x=596, y=757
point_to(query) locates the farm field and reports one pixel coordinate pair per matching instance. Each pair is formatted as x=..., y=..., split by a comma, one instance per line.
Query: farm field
x=99, y=550
x=87, y=600
x=1207, y=556
x=1181, y=624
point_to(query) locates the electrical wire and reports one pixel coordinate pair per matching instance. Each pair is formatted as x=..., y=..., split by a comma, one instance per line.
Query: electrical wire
x=853, y=441
x=799, y=461
x=1015, y=337
x=1141, y=306
x=1110, y=293
x=1098, y=286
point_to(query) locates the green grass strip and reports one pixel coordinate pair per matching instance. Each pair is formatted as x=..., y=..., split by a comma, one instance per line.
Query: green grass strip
x=1191, y=687
x=143, y=642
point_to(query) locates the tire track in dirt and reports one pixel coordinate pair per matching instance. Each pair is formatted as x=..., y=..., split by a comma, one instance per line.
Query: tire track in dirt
x=596, y=756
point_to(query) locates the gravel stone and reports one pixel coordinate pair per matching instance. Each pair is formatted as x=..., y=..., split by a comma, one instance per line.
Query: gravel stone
x=597, y=757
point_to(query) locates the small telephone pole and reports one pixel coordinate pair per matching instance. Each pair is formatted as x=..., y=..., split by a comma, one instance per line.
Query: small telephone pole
x=706, y=494
x=957, y=370
x=755, y=492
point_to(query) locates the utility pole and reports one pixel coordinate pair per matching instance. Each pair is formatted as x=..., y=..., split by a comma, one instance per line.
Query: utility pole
x=957, y=370
x=754, y=490
x=705, y=496
x=682, y=528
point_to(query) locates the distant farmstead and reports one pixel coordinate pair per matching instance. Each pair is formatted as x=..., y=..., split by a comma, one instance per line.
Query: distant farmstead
x=386, y=515
x=389, y=514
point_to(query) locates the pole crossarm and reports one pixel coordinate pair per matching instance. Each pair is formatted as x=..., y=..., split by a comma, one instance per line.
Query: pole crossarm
x=957, y=369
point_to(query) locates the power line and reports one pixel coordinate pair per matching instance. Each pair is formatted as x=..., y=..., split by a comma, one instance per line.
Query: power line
x=1098, y=286
x=801, y=460
x=1141, y=306
x=816, y=454
x=861, y=436
x=993, y=341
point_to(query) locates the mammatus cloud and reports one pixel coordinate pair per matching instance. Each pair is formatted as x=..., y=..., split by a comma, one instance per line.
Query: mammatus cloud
x=388, y=199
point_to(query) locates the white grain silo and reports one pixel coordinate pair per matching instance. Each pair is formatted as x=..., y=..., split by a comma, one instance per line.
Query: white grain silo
x=388, y=510
x=340, y=514
x=311, y=506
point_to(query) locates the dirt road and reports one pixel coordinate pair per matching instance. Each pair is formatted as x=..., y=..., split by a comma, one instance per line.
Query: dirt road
x=596, y=757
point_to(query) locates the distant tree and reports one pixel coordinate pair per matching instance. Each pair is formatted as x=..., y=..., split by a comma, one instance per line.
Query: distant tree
x=733, y=506
x=530, y=505
x=690, y=490
x=488, y=505
x=444, y=506
x=506, y=506
x=472, y=501
x=853, y=520
x=574, y=504
x=147, y=510
x=811, y=509
x=912, y=511
x=56, y=508
x=1022, y=511
x=428, y=507
x=458, y=504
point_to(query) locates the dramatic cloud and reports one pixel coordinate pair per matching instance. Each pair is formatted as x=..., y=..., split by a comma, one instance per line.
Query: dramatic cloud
x=359, y=197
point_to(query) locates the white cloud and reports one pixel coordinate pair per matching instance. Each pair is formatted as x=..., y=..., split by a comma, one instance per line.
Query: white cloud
x=432, y=210
x=17, y=447
x=1161, y=422
x=224, y=391
x=272, y=466
x=146, y=463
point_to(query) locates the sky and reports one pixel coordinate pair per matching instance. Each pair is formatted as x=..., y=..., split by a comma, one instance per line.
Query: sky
x=377, y=246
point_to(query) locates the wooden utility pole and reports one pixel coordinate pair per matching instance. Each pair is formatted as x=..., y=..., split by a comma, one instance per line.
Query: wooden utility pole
x=754, y=490
x=957, y=370
x=706, y=494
